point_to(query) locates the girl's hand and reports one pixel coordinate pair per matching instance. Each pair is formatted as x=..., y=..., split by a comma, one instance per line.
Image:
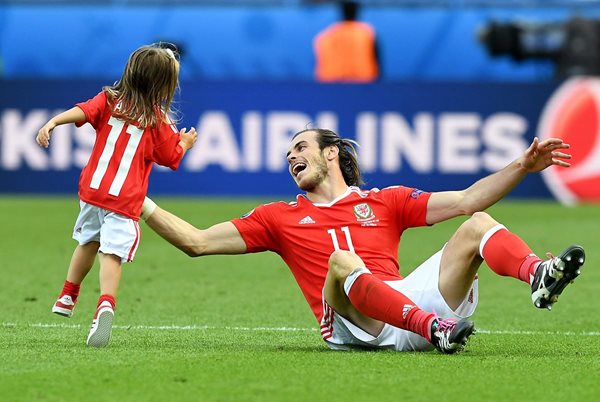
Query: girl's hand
x=188, y=138
x=43, y=137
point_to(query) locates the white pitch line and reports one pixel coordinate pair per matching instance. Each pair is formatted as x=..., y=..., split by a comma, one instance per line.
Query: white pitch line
x=163, y=327
x=567, y=333
x=277, y=329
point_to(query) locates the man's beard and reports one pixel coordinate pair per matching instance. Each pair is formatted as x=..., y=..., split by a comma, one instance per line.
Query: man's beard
x=319, y=175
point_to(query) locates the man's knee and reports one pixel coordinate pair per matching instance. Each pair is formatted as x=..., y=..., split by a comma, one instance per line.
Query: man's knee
x=482, y=217
x=478, y=224
x=343, y=262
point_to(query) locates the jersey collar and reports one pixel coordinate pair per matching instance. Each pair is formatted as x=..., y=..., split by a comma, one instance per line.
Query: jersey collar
x=349, y=190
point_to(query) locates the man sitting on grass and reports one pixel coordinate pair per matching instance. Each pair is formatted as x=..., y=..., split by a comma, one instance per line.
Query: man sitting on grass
x=341, y=244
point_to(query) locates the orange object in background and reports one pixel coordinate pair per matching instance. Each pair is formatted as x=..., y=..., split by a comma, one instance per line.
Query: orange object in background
x=345, y=52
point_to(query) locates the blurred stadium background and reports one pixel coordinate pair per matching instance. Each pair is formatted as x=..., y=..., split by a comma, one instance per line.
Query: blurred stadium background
x=463, y=88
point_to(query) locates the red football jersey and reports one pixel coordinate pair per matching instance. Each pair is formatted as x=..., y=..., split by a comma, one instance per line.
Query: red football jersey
x=304, y=234
x=116, y=175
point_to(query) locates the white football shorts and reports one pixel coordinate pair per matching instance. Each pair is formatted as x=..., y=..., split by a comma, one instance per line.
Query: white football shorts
x=421, y=286
x=117, y=234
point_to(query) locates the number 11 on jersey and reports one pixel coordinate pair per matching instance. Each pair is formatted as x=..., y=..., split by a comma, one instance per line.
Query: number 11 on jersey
x=334, y=239
x=135, y=136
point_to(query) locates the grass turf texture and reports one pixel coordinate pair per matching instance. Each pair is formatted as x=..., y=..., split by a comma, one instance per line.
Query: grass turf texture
x=236, y=328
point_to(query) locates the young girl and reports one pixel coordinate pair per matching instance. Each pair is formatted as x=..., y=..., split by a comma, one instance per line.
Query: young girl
x=133, y=131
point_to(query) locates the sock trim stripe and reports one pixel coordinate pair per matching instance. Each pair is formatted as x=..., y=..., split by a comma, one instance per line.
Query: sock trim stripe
x=350, y=279
x=487, y=236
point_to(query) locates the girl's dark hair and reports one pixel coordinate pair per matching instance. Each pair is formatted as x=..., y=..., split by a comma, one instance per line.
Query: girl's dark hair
x=347, y=154
x=146, y=89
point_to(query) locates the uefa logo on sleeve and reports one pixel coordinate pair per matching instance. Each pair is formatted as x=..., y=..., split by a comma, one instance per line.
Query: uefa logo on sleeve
x=573, y=114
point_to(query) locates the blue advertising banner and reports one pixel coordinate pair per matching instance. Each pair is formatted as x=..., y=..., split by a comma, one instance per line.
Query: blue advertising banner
x=434, y=136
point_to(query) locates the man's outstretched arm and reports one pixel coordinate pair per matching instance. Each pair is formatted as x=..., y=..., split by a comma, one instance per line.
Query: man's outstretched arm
x=489, y=190
x=222, y=238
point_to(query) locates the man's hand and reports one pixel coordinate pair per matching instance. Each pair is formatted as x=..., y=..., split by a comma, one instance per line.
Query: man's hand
x=540, y=155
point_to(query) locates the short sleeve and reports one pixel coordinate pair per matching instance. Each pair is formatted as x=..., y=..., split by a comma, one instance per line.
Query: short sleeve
x=254, y=228
x=409, y=205
x=167, y=151
x=93, y=110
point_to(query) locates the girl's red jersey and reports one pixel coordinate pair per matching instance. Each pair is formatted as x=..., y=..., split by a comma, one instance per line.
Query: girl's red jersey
x=116, y=175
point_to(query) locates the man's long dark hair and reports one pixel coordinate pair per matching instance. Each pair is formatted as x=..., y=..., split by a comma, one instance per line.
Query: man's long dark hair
x=347, y=154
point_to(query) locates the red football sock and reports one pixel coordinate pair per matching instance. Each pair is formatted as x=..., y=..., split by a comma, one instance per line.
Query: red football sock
x=528, y=267
x=71, y=289
x=372, y=297
x=507, y=254
x=109, y=299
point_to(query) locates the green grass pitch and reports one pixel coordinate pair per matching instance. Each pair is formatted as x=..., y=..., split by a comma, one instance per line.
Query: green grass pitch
x=236, y=328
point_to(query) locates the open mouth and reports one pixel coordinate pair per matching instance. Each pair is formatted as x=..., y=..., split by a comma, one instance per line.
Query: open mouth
x=297, y=168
